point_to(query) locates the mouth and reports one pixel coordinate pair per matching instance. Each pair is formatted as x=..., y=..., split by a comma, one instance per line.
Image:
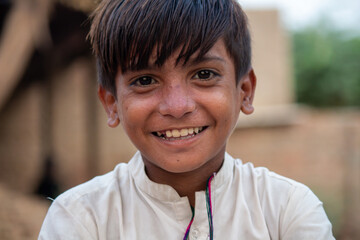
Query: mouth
x=179, y=134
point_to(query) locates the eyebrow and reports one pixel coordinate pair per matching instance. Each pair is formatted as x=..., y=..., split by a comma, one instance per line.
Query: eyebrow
x=205, y=59
x=194, y=61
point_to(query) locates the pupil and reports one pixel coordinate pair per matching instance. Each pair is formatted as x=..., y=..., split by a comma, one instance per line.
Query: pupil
x=145, y=81
x=204, y=74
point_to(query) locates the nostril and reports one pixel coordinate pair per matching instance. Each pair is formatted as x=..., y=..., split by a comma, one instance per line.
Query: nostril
x=177, y=107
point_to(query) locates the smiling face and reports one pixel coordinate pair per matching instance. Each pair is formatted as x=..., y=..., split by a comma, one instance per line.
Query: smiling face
x=181, y=116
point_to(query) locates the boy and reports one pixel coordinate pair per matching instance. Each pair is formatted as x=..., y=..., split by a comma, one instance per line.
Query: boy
x=176, y=75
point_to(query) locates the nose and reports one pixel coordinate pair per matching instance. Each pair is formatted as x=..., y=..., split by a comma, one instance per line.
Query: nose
x=176, y=101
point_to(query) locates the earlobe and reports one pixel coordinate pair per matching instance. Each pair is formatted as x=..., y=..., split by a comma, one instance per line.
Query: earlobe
x=109, y=101
x=113, y=121
x=248, y=85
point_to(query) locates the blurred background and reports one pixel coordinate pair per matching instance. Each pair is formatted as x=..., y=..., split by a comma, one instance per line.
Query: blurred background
x=306, y=125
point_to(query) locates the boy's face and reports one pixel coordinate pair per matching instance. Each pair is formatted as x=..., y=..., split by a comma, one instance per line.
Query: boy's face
x=181, y=116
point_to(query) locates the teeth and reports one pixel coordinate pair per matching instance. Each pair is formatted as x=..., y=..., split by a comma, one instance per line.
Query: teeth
x=168, y=134
x=179, y=133
x=175, y=133
x=184, y=132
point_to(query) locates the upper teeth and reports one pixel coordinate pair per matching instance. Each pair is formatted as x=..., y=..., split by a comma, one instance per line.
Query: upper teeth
x=180, y=132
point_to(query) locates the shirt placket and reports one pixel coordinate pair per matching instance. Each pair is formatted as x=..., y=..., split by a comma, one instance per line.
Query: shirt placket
x=200, y=227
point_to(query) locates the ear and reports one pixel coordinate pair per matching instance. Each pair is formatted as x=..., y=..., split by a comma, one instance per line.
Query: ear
x=247, y=88
x=109, y=102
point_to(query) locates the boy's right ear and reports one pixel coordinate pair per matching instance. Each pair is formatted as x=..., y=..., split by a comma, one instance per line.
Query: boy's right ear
x=109, y=102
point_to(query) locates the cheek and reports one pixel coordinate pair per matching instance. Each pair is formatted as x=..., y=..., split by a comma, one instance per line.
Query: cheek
x=133, y=111
x=225, y=106
x=130, y=112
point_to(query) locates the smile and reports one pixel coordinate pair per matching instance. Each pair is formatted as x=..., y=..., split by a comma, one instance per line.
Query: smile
x=179, y=134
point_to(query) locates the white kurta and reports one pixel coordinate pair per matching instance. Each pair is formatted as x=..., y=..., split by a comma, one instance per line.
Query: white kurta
x=248, y=203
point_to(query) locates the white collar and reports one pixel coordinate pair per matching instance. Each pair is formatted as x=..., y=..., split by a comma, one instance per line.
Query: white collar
x=166, y=193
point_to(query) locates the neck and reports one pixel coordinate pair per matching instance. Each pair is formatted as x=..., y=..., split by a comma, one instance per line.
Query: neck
x=185, y=184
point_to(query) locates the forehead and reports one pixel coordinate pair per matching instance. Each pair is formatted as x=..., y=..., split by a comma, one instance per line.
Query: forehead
x=217, y=52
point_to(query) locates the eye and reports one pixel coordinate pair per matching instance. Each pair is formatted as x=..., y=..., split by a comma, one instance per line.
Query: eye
x=205, y=75
x=143, y=81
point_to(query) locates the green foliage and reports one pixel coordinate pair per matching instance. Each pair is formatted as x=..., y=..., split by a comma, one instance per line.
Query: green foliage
x=327, y=68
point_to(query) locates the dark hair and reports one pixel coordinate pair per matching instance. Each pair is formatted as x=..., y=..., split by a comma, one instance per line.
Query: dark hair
x=125, y=33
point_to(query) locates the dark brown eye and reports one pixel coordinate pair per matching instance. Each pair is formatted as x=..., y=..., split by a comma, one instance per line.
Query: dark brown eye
x=204, y=75
x=143, y=81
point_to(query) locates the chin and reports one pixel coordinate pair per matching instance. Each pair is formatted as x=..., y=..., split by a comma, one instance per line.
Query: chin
x=182, y=165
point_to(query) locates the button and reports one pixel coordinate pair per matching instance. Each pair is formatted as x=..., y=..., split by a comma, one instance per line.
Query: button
x=195, y=233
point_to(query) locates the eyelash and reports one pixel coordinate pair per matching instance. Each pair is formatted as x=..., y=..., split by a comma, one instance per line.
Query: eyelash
x=211, y=74
x=136, y=82
x=206, y=71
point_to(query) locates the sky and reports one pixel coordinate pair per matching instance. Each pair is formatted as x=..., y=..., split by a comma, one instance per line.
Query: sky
x=297, y=14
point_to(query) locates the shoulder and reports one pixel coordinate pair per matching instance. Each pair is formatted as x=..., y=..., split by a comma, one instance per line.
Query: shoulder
x=273, y=191
x=96, y=187
x=287, y=205
x=78, y=211
x=268, y=182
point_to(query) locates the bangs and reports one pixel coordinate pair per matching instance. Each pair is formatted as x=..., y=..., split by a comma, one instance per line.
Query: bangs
x=135, y=31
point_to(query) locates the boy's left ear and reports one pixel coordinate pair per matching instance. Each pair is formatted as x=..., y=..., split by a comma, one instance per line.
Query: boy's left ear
x=247, y=91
